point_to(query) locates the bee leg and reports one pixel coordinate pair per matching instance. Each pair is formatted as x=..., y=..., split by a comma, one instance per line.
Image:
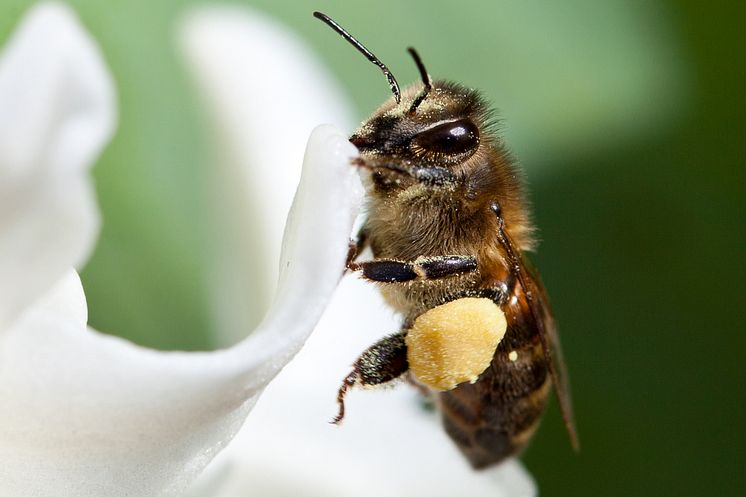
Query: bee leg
x=498, y=294
x=355, y=247
x=432, y=268
x=384, y=361
x=425, y=397
x=423, y=268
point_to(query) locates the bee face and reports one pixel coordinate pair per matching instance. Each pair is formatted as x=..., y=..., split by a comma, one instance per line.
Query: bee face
x=429, y=144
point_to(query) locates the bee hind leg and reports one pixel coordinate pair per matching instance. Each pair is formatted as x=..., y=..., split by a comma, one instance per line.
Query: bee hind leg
x=384, y=361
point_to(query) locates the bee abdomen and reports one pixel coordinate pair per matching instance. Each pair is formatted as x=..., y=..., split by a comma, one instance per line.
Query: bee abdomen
x=495, y=417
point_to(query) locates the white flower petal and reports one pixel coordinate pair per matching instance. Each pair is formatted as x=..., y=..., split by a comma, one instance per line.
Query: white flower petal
x=67, y=299
x=387, y=444
x=264, y=92
x=56, y=113
x=86, y=414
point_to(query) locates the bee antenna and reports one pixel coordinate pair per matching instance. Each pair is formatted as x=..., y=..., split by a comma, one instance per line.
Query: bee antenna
x=368, y=54
x=425, y=80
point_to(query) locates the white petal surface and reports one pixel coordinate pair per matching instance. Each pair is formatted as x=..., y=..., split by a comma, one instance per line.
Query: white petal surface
x=57, y=111
x=85, y=414
x=264, y=92
x=387, y=445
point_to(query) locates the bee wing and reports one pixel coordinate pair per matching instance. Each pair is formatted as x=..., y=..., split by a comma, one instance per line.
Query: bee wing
x=537, y=299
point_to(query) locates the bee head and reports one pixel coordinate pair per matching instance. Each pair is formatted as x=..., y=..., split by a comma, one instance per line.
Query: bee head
x=427, y=138
x=422, y=135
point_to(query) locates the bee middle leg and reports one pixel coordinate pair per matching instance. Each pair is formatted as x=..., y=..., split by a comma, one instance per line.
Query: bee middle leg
x=423, y=268
x=384, y=361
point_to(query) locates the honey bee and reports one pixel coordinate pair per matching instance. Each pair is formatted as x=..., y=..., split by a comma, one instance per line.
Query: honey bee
x=447, y=219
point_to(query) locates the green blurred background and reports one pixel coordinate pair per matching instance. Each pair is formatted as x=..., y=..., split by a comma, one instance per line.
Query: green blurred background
x=628, y=118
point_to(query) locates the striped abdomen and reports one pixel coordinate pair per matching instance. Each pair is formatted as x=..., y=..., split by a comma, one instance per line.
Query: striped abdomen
x=495, y=417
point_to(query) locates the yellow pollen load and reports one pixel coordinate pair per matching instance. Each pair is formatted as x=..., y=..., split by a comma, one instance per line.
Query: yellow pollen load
x=454, y=342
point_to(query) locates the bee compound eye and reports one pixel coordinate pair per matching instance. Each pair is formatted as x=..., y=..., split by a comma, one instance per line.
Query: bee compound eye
x=454, y=137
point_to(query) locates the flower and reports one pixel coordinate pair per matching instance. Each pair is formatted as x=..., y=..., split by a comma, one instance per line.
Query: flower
x=85, y=414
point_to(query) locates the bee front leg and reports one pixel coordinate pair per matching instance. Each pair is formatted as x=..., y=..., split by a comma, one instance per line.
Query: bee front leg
x=384, y=361
x=423, y=268
x=355, y=247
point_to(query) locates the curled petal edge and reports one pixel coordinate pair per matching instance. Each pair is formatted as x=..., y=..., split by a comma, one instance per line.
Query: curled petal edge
x=97, y=415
